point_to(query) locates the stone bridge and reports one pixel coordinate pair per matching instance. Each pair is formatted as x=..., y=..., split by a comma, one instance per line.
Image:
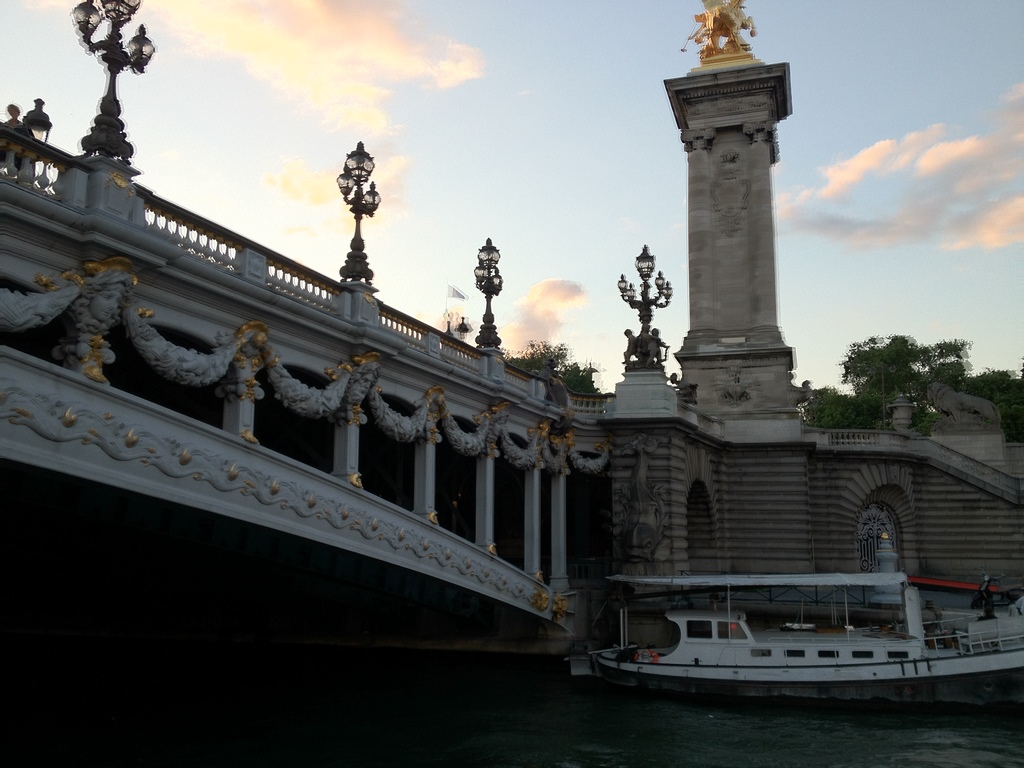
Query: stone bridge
x=199, y=434
x=156, y=359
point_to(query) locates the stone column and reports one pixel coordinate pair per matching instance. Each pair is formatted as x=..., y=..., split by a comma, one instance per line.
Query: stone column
x=559, y=570
x=240, y=416
x=485, y=502
x=424, y=490
x=734, y=350
x=531, y=521
x=346, y=452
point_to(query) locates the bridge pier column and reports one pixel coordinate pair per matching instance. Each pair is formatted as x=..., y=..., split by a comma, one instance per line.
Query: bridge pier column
x=559, y=572
x=531, y=522
x=346, y=452
x=425, y=482
x=485, y=501
x=240, y=416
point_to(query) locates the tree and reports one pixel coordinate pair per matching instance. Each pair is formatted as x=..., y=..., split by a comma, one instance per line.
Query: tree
x=537, y=353
x=1006, y=391
x=880, y=369
x=829, y=408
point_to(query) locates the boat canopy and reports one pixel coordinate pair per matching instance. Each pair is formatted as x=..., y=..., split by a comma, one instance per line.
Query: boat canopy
x=768, y=580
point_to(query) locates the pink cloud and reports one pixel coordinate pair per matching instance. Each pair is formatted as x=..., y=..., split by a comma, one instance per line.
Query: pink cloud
x=542, y=311
x=341, y=57
x=959, y=192
x=884, y=157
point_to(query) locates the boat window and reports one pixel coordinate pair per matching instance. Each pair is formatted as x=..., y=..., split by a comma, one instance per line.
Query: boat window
x=760, y=651
x=863, y=654
x=828, y=654
x=698, y=628
x=731, y=630
x=899, y=655
x=797, y=653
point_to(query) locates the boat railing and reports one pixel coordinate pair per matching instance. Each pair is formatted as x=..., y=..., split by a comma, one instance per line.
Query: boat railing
x=970, y=636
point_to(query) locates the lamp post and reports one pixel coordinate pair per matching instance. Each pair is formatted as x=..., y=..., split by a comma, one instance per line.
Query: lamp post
x=358, y=167
x=107, y=136
x=38, y=122
x=462, y=329
x=488, y=282
x=645, y=348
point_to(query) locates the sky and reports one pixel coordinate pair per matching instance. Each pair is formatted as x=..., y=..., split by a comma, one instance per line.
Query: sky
x=544, y=125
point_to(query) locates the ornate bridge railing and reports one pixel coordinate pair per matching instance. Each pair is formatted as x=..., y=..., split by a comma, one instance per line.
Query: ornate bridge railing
x=50, y=172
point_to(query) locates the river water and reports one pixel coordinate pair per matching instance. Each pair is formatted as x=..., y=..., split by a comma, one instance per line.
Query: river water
x=106, y=703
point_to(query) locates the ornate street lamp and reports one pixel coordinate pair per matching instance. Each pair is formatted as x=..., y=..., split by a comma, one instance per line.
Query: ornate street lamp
x=644, y=350
x=462, y=330
x=358, y=167
x=488, y=282
x=38, y=122
x=107, y=136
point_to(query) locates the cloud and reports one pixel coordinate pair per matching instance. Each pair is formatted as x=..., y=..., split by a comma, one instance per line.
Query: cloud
x=299, y=183
x=884, y=157
x=339, y=57
x=959, y=191
x=542, y=312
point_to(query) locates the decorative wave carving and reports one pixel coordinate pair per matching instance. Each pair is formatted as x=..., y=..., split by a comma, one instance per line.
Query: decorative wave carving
x=69, y=422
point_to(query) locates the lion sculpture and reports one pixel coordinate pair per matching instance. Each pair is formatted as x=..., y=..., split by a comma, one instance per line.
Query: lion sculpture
x=961, y=407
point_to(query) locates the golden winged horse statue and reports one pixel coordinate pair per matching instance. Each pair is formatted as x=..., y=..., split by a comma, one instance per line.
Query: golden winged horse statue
x=719, y=28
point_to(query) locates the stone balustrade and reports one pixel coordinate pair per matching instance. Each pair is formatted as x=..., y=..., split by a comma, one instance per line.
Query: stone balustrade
x=30, y=163
x=884, y=441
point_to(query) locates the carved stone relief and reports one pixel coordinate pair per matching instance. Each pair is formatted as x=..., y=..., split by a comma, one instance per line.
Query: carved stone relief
x=730, y=190
x=639, y=526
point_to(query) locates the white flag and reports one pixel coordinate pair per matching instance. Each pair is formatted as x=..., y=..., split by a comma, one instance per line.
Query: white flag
x=455, y=293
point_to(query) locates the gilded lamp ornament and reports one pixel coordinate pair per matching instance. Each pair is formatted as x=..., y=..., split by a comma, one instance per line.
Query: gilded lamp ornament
x=107, y=137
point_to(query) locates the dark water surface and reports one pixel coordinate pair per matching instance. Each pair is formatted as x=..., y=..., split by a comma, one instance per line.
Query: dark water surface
x=93, y=703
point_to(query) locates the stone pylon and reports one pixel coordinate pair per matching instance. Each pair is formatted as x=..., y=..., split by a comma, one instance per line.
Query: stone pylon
x=734, y=351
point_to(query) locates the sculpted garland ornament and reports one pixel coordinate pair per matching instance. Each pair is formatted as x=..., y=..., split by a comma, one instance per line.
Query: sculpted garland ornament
x=103, y=296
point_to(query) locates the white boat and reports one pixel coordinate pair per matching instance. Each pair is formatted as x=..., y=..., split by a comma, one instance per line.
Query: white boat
x=717, y=653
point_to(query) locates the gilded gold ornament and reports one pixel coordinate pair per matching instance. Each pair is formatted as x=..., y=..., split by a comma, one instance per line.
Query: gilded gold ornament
x=560, y=607
x=366, y=357
x=540, y=599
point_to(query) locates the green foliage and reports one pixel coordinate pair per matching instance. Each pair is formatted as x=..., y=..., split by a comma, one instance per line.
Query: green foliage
x=1006, y=391
x=537, y=353
x=898, y=365
x=879, y=369
x=829, y=408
